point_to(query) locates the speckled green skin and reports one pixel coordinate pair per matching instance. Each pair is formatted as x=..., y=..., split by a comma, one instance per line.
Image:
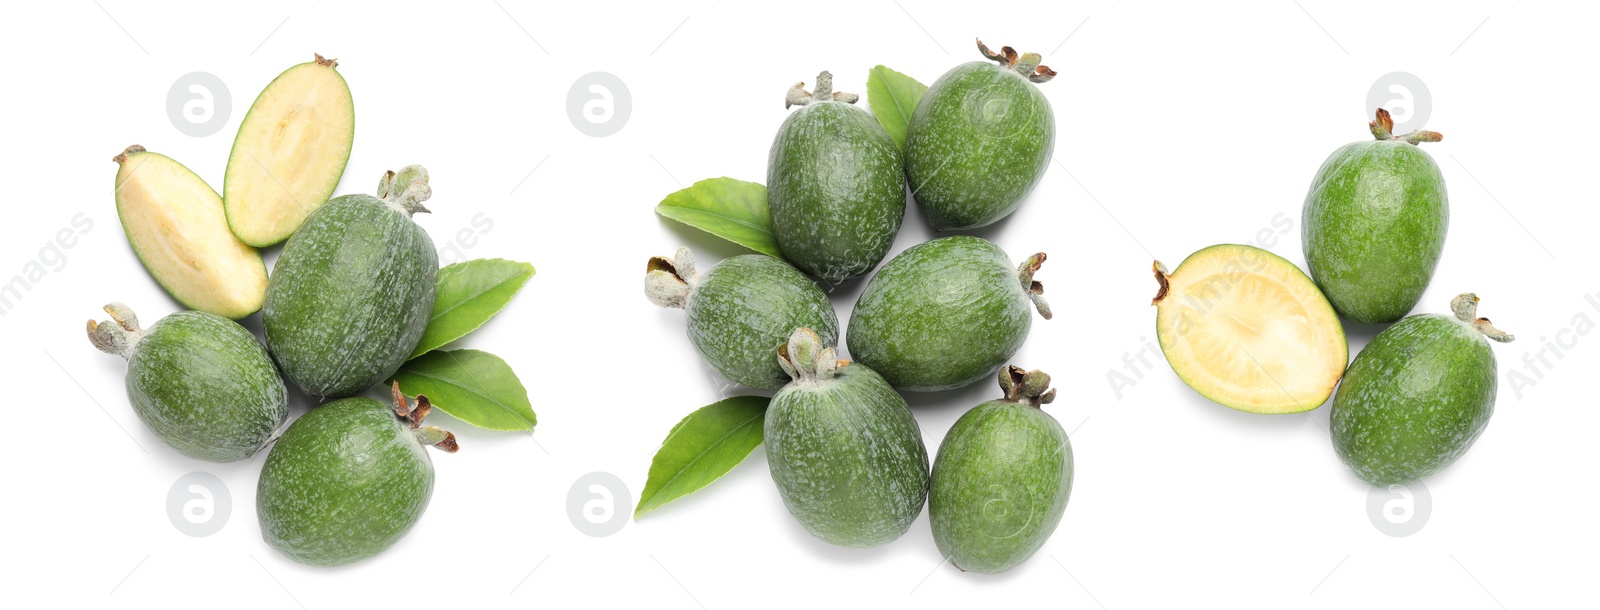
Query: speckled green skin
x=1414, y=400
x=836, y=190
x=1374, y=226
x=345, y=482
x=349, y=296
x=745, y=307
x=976, y=144
x=203, y=384
x=847, y=457
x=941, y=315
x=1000, y=485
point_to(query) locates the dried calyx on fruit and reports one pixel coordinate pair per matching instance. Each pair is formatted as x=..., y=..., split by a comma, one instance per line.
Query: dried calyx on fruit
x=844, y=450
x=741, y=310
x=1375, y=221
x=835, y=185
x=349, y=479
x=200, y=382
x=1418, y=396
x=1002, y=478
x=351, y=294
x=980, y=139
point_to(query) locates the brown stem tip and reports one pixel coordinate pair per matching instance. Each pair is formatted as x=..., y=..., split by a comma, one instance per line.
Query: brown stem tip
x=1026, y=64
x=1031, y=388
x=326, y=62
x=122, y=157
x=1382, y=128
x=1161, y=280
x=668, y=281
x=1465, y=307
x=1034, y=288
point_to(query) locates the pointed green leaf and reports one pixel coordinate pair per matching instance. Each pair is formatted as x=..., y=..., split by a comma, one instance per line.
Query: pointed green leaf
x=703, y=447
x=734, y=210
x=893, y=96
x=476, y=387
x=467, y=294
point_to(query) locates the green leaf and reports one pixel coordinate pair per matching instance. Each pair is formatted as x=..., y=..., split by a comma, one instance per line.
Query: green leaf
x=476, y=387
x=893, y=96
x=734, y=210
x=467, y=295
x=703, y=447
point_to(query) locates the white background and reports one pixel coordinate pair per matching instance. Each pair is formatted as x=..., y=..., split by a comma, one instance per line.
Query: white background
x=1178, y=126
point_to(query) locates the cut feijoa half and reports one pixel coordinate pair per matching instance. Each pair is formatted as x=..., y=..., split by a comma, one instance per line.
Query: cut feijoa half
x=1248, y=329
x=174, y=222
x=290, y=152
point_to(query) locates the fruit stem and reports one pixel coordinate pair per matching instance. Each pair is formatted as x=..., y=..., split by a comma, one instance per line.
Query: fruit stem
x=798, y=96
x=1465, y=306
x=326, y=62
x=806, y=360
x=413, y=416
x=119, y=337
x=1026, y=64
x=440, y=438
x=122, y=157
x=1034, y=289
x=1030, y=388
x=668, y=282
x=1161, y=279
x=1382, y=128
x=406, y=190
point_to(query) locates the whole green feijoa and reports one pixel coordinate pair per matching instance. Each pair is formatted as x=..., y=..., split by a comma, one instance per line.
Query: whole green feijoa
x=1374, y=224
x=200, y=382
x=1002, y=478
x=945, y=313
x=844, y=450
x=1417, y=397
x=353, y=289
x=741, y=310
x=835, y=186
x=980, y=139
x=348, y=479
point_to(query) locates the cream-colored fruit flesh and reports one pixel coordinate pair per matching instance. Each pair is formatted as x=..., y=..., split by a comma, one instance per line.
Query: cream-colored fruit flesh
x=1249, y=330
x=174, y=222
x=290, y=152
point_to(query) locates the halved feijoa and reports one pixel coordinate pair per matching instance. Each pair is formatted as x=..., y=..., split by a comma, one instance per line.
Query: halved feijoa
x=290, y=152
x=1248, y=329
x=175, y=224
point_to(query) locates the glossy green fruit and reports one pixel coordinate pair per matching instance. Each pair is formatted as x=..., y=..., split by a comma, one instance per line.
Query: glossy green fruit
x=741, y=311
x=348, y=480
x=1418, y=396
x=844, y=450
x=200, y=382
x=352, y=291
x=1374, y=225
x=979, y=140
x=945, y=313
x=835, y=186
x=1002, y=478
